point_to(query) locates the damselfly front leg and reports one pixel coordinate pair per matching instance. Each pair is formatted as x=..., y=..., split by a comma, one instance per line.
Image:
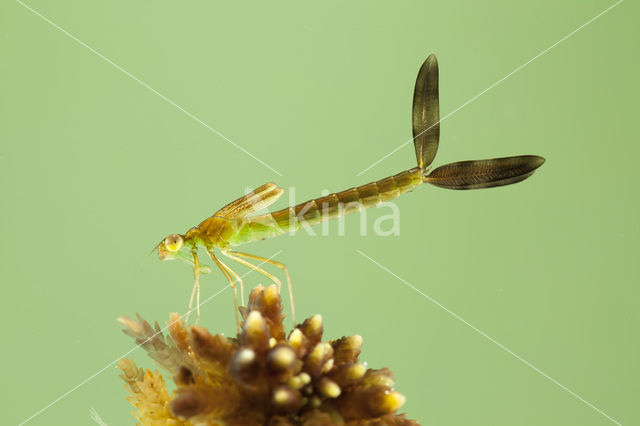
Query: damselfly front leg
x=196, y=287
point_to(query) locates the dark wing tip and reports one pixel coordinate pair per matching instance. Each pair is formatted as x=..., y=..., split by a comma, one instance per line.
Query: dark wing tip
x=538, y=161
x=431, y=60
x=531, y=162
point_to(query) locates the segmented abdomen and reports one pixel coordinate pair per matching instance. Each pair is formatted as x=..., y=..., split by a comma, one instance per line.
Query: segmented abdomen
x=324, y=208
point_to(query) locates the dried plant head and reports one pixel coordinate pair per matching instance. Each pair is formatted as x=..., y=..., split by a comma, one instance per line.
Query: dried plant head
x=262, y=377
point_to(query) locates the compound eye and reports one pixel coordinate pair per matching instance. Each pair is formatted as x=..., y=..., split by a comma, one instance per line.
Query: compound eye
x=173, y=242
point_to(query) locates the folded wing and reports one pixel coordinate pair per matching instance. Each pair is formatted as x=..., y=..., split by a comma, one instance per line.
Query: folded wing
x=254, y=201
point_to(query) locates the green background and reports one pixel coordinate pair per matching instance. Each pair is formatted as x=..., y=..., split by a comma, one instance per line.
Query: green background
x=95, y=169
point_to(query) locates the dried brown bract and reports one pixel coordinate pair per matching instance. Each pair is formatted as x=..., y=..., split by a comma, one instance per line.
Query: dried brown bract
x=261, y=378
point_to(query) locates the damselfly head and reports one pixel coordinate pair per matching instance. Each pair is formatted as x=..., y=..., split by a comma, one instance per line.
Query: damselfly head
x=170, y=246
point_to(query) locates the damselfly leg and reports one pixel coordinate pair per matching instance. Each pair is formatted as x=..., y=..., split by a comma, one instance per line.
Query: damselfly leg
x=279, y=265
x=232, y=277
x=196, y=288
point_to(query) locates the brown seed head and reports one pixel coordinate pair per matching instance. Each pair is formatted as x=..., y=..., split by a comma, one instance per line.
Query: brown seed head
x=260, y=377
